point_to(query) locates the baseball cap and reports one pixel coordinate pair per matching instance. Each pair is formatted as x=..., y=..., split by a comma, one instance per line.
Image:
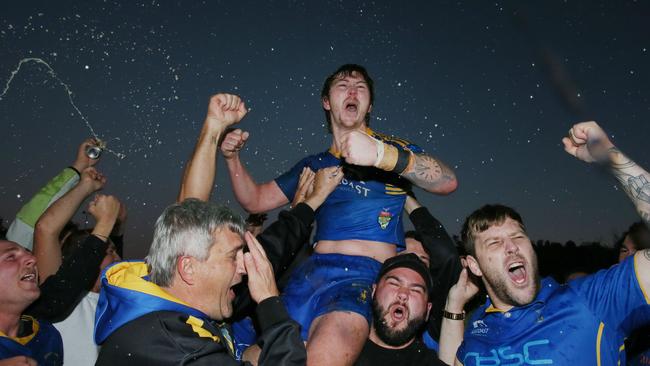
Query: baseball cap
x=411, y=261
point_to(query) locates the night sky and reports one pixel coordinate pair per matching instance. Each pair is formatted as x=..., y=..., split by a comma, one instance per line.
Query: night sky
x=488, y=87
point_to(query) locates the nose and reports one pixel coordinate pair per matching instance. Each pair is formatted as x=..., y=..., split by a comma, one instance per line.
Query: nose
x=403, y=293
x=511, y=247
x=30, y=259
x=241, y=268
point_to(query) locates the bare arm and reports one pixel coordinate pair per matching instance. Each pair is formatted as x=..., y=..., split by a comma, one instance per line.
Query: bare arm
x=47, y=247
x=253, y=197
x=431, y=174
x=642, y=266
x=223, y=110
x=588, y=142
x=425, y=171
x=451, y=334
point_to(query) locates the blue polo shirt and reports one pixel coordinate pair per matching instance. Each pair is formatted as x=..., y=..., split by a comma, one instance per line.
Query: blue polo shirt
x=368, y=203
x=582, y=323
x=40, y=341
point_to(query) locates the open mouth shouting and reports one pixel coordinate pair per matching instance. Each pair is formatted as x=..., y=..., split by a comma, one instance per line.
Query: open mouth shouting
x=351, y=105
x=517, y=272
x=398, y=313
x=30, y=277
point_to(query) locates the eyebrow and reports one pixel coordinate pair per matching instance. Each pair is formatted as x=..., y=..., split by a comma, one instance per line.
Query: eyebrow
x=411, y=285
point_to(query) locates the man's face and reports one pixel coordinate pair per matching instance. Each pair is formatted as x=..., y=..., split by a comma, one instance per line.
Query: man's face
x=110, y=258
x=415, y=247
x=627, y=249
x=348, y=102
x=18, y=276
x=216, y=276
x=400, y=306
x=506, y=260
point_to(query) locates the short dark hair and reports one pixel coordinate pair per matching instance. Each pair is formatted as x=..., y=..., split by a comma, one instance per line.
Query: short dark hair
x=343, y=71
x=482, y=219
x=639, y=235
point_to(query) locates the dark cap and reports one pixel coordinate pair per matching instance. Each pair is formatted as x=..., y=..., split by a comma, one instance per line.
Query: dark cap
x=411, y=261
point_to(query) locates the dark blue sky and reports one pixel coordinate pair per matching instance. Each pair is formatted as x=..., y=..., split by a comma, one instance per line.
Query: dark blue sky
x=489, y=87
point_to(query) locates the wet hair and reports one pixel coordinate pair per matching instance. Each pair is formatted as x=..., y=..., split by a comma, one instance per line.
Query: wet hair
x=482, y=219
x=256, y=219
x=341, y=72
x=186, y=228
x=639, y=235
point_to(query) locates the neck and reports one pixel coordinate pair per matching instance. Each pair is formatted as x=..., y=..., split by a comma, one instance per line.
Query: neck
x=339, y=132
x=376, y=340
x=10, y=323
x=496, y=302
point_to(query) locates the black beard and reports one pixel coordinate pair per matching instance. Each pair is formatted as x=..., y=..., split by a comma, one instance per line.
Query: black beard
x=390, y=336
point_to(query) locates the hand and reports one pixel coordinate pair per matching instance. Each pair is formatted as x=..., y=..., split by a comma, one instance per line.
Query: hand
x=305, y=186
x=461, y=293
x=233, y=142
x=92, y=179
x=105, y=210
x=359, y=148
x=325, y=182
x=18, y=361
x=118, y=228
x=261, y=281
x=83, y=161
x=411, y=204
x=587, y=142
x=225, y=110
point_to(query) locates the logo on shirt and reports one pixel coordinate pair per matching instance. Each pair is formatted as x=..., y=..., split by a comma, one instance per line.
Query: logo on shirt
x=384, y=218
x=479, y=328
x=513, y=355
x=363, y=296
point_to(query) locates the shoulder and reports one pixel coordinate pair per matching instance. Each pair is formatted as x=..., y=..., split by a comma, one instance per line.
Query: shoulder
x=395, y=141
x=175, y=335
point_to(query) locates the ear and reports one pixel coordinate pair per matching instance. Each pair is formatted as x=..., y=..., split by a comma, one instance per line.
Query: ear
x=472, y=263
x=374, y=288
x=186, y=269
x=326, y=104
x=429, y=305
x=370, y=108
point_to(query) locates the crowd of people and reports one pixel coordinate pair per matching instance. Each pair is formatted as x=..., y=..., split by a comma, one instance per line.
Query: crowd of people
x=217, y=290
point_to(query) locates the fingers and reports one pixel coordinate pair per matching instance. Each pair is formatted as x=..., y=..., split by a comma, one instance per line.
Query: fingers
x=254, y=246
x=569, y=146
x=229, y=102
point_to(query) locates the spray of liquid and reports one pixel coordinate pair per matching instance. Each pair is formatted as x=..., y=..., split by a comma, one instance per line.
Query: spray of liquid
x=66, y=87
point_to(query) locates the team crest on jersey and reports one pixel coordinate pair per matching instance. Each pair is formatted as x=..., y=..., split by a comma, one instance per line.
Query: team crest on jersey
x=384, y=218
x=363, y=296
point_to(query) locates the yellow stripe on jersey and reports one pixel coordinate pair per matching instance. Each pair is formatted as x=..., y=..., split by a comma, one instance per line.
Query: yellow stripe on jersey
x=24, y=340
x=598, y=341
x=197, y=327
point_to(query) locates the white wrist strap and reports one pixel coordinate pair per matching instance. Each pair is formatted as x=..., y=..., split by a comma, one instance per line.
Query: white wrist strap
x=380, y=152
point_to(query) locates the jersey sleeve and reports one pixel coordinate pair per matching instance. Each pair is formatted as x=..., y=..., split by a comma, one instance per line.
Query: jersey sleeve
x=21, y=229
x=288, y=182
x=615, y=295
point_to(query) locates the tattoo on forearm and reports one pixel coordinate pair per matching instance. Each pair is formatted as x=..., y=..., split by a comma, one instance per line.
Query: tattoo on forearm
x=427, y=172
x=634, y=180
x=426, y=168
x=636, y=187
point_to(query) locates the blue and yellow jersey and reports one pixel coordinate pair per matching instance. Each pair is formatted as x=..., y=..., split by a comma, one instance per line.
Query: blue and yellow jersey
x=582, y=323
x=127, y=294
x=37, y=340
x=368, y=203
